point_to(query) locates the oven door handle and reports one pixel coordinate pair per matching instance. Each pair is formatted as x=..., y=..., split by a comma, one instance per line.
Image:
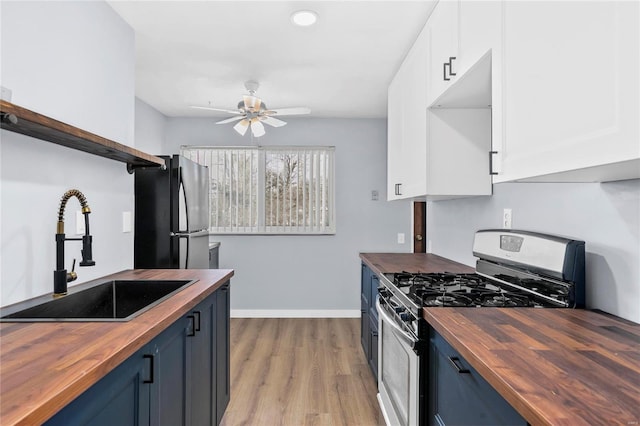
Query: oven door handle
x=409, y=337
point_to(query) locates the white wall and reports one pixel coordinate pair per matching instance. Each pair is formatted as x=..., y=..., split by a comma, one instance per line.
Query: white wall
x=318, y=274
x=149, y=128
x=73, y=61
x=606, y=216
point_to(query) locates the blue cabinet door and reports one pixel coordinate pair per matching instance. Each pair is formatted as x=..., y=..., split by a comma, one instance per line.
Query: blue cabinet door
x=458, y=395
x=120, y=398
x=222, y=350
x=169, y=389
x=202, y=363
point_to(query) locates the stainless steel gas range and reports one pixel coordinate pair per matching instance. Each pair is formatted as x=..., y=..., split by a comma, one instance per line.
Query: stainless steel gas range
x=515, y=269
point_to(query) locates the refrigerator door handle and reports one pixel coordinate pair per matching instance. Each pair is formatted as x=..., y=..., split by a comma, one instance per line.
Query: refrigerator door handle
x=190, y=234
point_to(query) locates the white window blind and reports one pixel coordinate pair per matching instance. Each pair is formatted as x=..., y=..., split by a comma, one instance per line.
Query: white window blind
x=269, y=190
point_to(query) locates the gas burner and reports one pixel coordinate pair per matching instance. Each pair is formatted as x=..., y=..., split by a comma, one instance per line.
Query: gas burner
x=448, y=299
x=505, y=300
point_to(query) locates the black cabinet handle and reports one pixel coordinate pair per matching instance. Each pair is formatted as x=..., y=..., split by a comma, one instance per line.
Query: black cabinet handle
x=449, y=65
x=197, y=320
x=150, y=358
x=451, y=58
x=491, y=172
x=192, y=328
x=455, y=361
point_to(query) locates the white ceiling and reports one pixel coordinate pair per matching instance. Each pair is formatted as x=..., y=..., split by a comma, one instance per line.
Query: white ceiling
x=202, y=52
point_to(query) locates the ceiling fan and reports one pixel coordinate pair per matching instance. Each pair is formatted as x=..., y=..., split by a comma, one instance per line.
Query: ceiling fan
x=252, y=112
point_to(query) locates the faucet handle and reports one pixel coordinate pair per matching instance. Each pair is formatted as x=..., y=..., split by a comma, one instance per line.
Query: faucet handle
x=72, y=276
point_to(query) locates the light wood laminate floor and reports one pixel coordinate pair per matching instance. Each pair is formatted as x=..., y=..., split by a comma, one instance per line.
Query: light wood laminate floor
x=293, y=371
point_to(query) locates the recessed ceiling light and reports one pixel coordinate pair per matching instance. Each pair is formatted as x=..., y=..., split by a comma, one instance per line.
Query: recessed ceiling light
x=304, y=18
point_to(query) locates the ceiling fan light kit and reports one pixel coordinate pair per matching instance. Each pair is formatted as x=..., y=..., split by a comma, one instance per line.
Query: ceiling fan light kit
x=252, y=112
x=304, y=18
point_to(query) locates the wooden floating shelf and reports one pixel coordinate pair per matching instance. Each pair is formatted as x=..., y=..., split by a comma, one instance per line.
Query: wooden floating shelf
x=42, y=127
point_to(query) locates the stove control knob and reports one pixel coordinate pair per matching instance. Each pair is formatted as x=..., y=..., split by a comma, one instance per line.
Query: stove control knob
x=400, y=309
x=406, y=317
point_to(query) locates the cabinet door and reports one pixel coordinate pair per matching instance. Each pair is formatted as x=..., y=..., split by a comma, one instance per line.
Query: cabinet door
x=453, y=384
x=480, y=29
x=202, y=363
x=442, y=28
x=571, y=90
x=414, y=120
x=395, y=111
x=169, y=390
x=373, y=345
x=222, y=350
x=120, y=398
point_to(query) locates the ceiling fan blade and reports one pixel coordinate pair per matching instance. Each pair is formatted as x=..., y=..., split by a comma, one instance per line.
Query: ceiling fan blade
x=289, y=111
x=251, y=103
x=257, y=128
x=230, y=120
x=230, y=111
x=242, y=127
x=272, y=121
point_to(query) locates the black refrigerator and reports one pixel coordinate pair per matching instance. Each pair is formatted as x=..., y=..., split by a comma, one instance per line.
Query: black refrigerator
x=172, y=215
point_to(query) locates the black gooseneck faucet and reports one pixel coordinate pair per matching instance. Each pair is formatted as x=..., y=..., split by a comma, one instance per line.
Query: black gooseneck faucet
x=60, y=276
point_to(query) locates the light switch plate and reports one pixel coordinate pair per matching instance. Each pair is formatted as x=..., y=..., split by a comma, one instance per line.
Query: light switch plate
x=126, y=222
x=400, y=238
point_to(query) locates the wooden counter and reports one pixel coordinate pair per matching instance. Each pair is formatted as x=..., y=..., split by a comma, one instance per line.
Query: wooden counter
x=45, y=366
x=382, y=263
x=554, y=366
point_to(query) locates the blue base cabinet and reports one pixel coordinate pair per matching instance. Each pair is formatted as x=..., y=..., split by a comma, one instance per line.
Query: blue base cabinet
x=369, y=317
x=458, y=395
x=179, y=378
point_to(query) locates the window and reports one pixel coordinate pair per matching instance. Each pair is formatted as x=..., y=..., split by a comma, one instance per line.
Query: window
x=269, y=190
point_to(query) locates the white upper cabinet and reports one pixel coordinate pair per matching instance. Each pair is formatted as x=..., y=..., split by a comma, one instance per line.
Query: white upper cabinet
x=570, y=92
x=407, y=126
x=442, y=29
x=460, y=33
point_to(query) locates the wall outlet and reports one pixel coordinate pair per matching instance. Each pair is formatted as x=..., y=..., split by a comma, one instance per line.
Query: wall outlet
x=506, y=218
x=374, y=195
x=400, y=238
x=126, y=222
x=80, y=229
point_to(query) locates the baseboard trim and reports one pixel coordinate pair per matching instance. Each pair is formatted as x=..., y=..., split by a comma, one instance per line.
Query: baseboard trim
x=295, y=313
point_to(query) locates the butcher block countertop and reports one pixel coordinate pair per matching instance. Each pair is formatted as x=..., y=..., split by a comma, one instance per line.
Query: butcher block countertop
x=45, y=366
x=382, y=263
x=554, y=366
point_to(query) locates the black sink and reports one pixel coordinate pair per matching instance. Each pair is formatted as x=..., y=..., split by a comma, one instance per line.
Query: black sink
x=119, y=300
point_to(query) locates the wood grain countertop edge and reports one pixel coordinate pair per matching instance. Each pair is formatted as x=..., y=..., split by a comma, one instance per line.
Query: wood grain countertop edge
x=134, y=334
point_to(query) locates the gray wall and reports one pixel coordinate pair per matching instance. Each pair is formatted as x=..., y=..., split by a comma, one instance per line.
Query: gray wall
x=317, y=274
x=606, y=216
x=73, y=61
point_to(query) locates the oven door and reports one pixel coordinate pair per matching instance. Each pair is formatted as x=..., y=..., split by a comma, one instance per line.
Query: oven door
x=398, y=370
